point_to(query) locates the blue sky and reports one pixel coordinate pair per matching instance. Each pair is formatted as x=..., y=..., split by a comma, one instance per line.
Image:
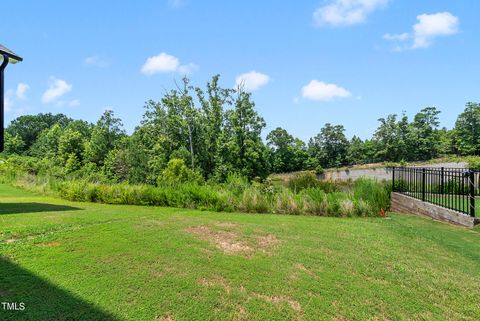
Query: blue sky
x=307, y=62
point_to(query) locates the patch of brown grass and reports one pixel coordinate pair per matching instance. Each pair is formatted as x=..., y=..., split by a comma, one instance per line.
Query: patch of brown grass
x=231, y=241
x=241, y=314
x=267, y=241
x=302, y=267
x=49, y=244
x=227, y=241
x=215, y=281
x=226, y=224
x=277, y=300
x=165, y=317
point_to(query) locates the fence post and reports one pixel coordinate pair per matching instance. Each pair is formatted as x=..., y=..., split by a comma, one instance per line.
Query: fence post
x=471, y=183
x=442, y=180
x=393, y=179
x=423, y=183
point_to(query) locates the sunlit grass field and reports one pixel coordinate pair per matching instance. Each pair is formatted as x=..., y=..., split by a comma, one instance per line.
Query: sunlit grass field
x=85, y=261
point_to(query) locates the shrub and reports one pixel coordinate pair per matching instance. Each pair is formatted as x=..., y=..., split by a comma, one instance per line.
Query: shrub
x=253, y=201
x=346, y=207
x=177, y=172
x=362, y=208
x=301, y=181
x=474, y=163
x=319, y=170
x=315, y=201
x=287, y=202
x=376, y=194
x=236, y=183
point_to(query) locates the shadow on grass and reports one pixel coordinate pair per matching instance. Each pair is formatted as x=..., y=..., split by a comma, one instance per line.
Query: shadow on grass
x=15, y=208
x=42, y=300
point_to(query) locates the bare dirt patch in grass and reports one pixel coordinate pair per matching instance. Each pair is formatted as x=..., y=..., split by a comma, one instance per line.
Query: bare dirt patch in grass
x=267, y=241
x=49, y=244
x=241, y=314
x=277, y=300
x=166, y=317
x=228, y=241
x=226, y=224
x=232, y=241
x=302, y=267
x=215, y=281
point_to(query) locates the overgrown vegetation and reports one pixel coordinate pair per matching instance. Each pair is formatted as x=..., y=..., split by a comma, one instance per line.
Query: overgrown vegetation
x=177, y=188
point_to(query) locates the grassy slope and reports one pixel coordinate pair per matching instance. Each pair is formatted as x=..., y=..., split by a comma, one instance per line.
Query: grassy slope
x=103, y=262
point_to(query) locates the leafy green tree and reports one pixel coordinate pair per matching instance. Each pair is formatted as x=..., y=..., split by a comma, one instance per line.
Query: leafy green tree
x=330, y=146
x=72, y=163
x=128, y=161
x=183, y=121
x=387, y=139
x=13, y=144
x=46, y=145
x=81, y=126
x=173, y=128
x=288, y=153
x=213, y=104
x=467, y=130
x=29, y=127
x=71, y=146
x=105, y=134
x=356, y=151
x=243, y=147
x=424, y=134
x=446, y=142
x=405, y=145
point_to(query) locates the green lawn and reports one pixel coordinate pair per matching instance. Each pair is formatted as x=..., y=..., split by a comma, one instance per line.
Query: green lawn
x=80, y=261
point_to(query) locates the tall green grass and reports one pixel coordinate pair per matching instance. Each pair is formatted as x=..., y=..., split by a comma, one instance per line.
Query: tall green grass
x=365, y=197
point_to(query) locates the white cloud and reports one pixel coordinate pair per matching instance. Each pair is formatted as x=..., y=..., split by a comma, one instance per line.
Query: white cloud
x=430, y=26
x=21, y=90
x=96, y=61
x=13, y=102
x=187, y=69
x=397, y=37
x=338, y=13
x=7, y=101
x=57, y=89
x=426, y=30
x=321, y=91
x=71, y=103
x=160, y=64
x=165, y=63
x=252, y=80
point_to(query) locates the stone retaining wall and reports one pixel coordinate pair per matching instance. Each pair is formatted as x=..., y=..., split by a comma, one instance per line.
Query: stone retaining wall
x=380, y=173
x=406, y=204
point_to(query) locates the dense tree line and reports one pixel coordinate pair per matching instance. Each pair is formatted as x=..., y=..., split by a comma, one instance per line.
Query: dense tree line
x=216, y=131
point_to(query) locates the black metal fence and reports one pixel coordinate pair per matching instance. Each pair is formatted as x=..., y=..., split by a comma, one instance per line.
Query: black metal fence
x=452, y=188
